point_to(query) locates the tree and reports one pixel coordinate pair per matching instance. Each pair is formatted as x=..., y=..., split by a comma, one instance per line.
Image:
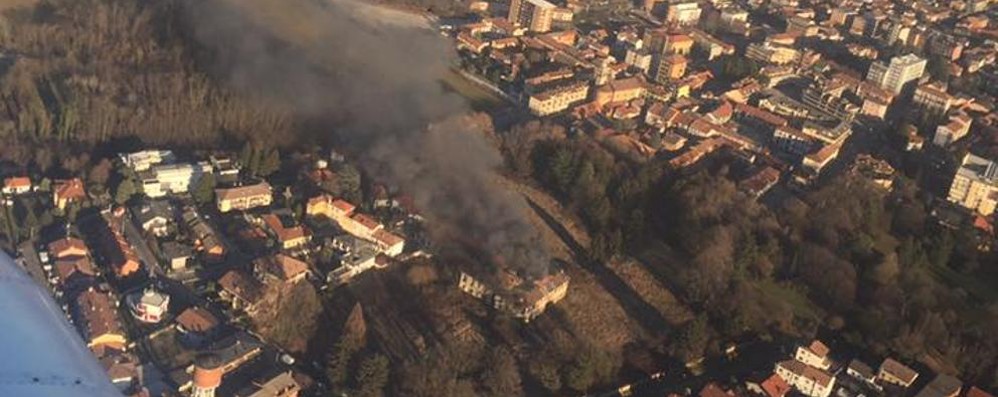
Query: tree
x=100, y=174
x=269, y=162
x=692, y=339
x=338, y=362
x=592, y=366
x=291, y=318
x=348, y=183
x=246, y=155
x=545, y=372
x=501, y=376
x=204, y=190
x=124, y=191
x=372, y=376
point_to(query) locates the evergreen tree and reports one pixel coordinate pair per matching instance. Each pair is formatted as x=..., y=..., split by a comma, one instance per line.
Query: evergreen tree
x=204, y=191
x=338, y=365
x=545, y=372
x=349, y=184
x=246, y=155
x=269, y=162
x=372, y=376
x=501, y=376
x=124, y=191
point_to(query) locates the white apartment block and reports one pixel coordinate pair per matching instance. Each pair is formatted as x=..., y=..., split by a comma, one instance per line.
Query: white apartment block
x=898, y=73
x=142, y=161
x=975, y=185
x=161, y=180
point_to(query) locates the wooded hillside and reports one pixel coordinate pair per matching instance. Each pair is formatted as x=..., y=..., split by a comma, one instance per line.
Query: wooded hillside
x=87, y=71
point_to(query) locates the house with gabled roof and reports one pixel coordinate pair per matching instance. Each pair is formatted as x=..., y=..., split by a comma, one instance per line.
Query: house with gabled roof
x=893, y=372
x=281, y=268
x=241, y=291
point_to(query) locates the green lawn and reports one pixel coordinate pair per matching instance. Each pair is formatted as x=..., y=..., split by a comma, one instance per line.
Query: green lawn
x=479, y=98
x=802, y=305
x=980, y=288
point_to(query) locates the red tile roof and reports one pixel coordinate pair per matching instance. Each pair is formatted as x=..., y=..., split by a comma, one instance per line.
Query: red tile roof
x=97, y=314
x=775, y=386
x=17, y=182
x=713, y=390
x=196, y=319
x=344, y=206
x=366, y=221
x=818, y=348
x=71, y=189
x=283, y=233
x=68, y=246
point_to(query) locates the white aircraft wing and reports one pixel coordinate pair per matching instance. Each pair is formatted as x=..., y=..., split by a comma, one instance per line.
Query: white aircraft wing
x=41, y=355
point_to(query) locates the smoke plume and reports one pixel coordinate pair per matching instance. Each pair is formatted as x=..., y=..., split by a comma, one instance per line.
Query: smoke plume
x=376, y=87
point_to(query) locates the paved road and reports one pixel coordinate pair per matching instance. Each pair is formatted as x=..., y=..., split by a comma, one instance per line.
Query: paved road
x=32, y=263
x=753, y=356
x=134, y=237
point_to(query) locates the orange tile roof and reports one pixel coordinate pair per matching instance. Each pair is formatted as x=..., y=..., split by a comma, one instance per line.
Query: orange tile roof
x=760, y=114
x=366, y=221
x=69, y=189
x=818, y=348
x=713, y=390
x=17, y=182
x=98, y=314
x=68, y=246
x=344, y=206
x=775, y=386
x=283, y=233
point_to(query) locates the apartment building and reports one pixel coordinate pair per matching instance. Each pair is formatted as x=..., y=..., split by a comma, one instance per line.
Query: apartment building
x=975, y=185
x=507, y=291
x=684, y=13
x=557, y=99
x=809, y=381
x=160, y=180
x=932, y=98
x=144, y=160
x=772, y=53
x=535, y=15
x=243, y=197
x=955, y=129
x=899, y=72
x=671, y=68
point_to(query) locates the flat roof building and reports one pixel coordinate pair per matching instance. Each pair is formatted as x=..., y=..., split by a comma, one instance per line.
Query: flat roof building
x=975, y=185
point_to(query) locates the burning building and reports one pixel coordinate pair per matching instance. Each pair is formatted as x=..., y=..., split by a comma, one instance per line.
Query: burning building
x=508, y=291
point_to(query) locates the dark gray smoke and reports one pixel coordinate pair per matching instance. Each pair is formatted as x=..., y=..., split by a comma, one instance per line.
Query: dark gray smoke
x=377, y=88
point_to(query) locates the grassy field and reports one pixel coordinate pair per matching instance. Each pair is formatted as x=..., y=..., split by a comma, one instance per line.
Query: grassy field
x=802, y=305
x=977, y=287
x=479, y=98
x=644, y=284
